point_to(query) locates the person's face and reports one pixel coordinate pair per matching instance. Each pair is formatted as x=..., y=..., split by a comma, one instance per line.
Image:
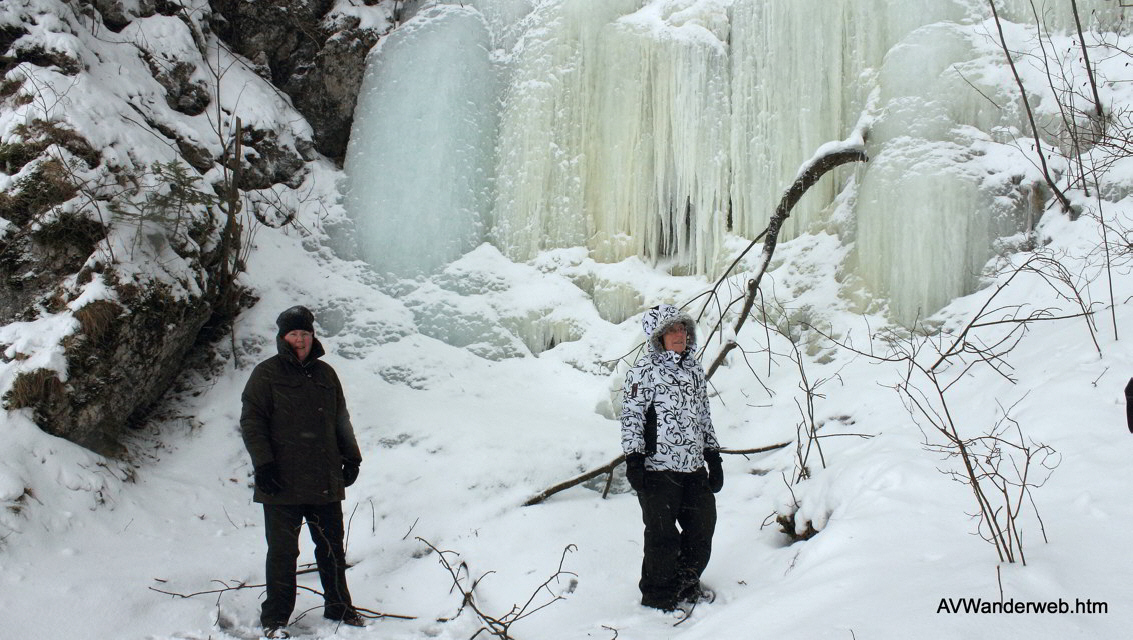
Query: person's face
x=675, y=338
x=300, y=342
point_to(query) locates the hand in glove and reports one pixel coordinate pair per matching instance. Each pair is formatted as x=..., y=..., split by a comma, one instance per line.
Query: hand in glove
x=349, y=472
x=715, y=470
x=267, y=479
x=635, y=471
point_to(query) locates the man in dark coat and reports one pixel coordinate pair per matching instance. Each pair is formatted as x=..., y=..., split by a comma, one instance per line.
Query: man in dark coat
x=672, y=459
x=297, y=430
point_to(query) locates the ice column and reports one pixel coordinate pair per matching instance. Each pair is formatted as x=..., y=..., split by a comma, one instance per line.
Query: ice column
x=658, y=183
x=547, y=128
x=419, y=162
x=797, y=82
x=932, y=199
x=614, y=133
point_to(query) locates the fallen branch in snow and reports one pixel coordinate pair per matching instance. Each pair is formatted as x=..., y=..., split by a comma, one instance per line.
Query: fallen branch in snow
x=236, y=585
x=770, y=447
x=499, y=627
x=828, y=158
x=577, y=480
x=613, y=464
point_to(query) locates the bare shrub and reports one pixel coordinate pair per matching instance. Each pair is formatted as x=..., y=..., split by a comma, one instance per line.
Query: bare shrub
x=500, y=626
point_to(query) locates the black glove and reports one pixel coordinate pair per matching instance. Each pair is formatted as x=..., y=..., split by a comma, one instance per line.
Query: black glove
x=635, y=471
x=267, y=479
x=1129, y=404
x=349, y=472
x=715, y=470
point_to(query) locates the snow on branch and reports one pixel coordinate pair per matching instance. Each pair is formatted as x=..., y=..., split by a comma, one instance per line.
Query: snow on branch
x=827, y=157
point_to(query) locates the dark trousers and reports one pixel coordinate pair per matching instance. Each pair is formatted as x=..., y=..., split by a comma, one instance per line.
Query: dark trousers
x=675, y=559
x=282, y=523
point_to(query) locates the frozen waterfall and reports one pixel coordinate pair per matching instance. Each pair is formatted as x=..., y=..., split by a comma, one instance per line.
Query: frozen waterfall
x=419, y=164
x=654, y=128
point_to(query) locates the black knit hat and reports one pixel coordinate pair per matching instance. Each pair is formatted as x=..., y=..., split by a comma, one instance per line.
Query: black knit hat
x=297, y=317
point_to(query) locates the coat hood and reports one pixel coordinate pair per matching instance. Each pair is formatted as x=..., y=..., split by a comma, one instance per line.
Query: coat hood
x=657, y=321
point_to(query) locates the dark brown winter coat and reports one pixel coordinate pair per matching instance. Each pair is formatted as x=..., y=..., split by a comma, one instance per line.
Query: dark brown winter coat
x=294, y=414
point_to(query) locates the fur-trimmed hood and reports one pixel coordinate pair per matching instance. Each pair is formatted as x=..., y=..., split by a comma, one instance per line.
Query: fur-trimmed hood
x=657, y=321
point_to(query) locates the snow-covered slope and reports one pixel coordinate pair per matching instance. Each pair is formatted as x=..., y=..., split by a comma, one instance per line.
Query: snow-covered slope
x=454, y=443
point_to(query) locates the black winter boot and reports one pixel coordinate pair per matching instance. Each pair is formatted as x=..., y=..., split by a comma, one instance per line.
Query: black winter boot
x=695, y=592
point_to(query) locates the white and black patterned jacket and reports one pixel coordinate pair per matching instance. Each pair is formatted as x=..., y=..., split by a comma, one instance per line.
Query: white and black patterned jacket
x=665, y=411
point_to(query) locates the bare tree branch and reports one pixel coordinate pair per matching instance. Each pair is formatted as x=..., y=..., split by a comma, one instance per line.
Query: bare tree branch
x=575, y=481
x=810, y=175
x=236, y=585
x=1086, y=61
x=1030, y=115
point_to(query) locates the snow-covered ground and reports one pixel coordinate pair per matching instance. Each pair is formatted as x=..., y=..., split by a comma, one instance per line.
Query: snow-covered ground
x=455, y=443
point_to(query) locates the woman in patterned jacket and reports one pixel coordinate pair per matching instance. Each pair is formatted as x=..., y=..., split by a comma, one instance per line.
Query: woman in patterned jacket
x=668, y=439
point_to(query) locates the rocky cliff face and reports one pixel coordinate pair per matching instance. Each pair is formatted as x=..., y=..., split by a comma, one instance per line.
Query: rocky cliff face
x=140, y=142
x=314, y=54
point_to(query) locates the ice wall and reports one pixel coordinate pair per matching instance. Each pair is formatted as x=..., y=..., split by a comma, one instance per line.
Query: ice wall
x=925, y=216
x=653, y=127
x=614, y=132
x=421, y=153
x=950, y=167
